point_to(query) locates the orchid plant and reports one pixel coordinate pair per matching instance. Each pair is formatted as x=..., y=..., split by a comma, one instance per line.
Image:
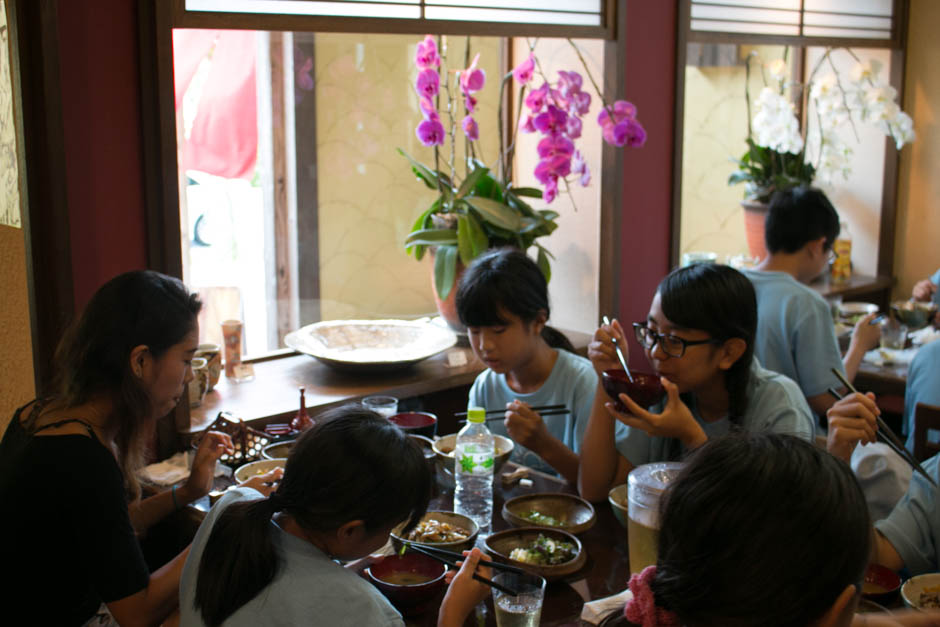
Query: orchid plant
x=483, y=208
x=777, y=155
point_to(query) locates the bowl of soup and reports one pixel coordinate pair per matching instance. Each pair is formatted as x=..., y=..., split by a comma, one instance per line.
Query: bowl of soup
x=416, y=423
x=252, y=469
x=407, y=580
x=881, y=584
x=280, y=450
x=444, y=448
x=912, y=314
x=617, y=497
x=645, y=390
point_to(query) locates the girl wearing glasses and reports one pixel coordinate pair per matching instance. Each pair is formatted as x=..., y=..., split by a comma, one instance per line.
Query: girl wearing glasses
x=699, y=338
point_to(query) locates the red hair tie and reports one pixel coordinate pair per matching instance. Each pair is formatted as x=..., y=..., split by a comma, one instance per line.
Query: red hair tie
x=641, y=609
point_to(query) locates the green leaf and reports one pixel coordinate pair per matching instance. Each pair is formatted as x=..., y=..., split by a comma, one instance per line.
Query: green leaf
x=496, y=213
x=531, y=192
x=432, y=237
x=426, y=174
x=464, y=245
x=544, y=264
x=479, y=242
x=445, y=269
x=469, y=183
x=548, y=214
x=520, y=205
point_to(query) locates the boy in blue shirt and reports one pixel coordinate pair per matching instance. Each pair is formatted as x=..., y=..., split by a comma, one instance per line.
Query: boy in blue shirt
x=926, y=291
x=795, y=332
x=923, y=385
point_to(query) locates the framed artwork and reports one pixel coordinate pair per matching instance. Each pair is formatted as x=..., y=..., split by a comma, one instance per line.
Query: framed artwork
x=11, y=156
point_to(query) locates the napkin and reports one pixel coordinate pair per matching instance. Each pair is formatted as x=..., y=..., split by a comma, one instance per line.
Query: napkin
x=595, y=611
x=924, y=336
x=172, y=470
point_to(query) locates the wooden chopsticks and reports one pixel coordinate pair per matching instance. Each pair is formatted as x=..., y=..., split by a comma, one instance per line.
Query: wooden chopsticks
x=885, y=434
x=540, y=409
x=457, y=556
x=433, y=554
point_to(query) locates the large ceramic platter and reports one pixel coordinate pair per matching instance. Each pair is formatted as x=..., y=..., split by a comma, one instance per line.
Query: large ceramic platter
x=370, y=345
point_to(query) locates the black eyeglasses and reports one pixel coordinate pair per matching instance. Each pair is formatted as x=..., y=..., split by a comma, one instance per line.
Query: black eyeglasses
x=670, y=344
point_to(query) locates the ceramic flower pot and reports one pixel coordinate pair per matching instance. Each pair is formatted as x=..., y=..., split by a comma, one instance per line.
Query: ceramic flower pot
x=448, y=306
x=755, y=218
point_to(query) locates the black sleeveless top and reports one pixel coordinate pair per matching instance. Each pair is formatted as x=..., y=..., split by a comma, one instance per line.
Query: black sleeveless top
x=66, y=540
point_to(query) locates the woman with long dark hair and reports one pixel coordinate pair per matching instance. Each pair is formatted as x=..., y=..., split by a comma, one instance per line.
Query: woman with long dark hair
x=502, y=298
x=68, y=463
x=699, y=339
x=349, y=480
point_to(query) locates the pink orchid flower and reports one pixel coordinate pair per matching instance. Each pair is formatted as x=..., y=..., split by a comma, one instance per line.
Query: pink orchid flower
x=428, y=83
x=473, y=78
x=431, y=133
x=555, y=145
x=552, y=121
x=579, y=166
x=426, y=55
x=535, y=100
x=470, y=129
x=524, y=71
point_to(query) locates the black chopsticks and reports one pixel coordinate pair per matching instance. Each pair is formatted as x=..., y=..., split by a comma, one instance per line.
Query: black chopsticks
x=457, y=556
x=885, y=433
x=433, y=554
x=554, y=412
x=539, y=408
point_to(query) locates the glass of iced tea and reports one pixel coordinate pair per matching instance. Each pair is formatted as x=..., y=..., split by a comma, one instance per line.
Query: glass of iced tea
x=523, y=610
x=645, y=487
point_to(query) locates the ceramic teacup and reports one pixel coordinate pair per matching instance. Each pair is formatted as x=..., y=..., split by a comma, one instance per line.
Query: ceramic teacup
x=212, y=353
x=200, y=383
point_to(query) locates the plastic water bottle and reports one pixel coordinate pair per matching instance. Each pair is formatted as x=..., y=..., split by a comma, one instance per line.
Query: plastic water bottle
x=473, y=472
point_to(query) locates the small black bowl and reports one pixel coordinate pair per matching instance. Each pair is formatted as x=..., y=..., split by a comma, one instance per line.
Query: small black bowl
x=416, y=423
x=646, y=389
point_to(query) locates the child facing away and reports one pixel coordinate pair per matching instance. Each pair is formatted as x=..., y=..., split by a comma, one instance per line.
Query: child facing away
x=699, y=339
x=502, y=298
x=780, y=537
x=349, y=480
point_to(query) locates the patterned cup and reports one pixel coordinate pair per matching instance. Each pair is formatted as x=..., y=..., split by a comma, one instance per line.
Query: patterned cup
x=200, y=383
x=212, y=353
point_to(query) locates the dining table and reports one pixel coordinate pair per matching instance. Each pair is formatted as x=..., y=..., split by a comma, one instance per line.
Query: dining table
x=605, y=573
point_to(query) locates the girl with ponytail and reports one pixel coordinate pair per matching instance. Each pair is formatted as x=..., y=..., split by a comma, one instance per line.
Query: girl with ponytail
x=502, y=298
x=348, y=481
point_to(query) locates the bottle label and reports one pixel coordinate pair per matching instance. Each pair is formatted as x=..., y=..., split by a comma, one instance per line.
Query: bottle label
x=474, y=460
x=842, y=266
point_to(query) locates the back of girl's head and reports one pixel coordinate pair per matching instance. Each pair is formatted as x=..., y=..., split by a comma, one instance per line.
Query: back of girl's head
x=719, y=300
x=505, y=280
x=351, y=465
x=760, y=529
x=132, y=309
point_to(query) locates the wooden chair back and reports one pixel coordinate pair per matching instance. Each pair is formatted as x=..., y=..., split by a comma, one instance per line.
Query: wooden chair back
x=926, y=421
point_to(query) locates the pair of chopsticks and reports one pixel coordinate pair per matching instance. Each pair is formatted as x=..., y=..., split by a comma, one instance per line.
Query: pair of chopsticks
x=543, y=410
x=450, y=558
x=623, y=362
x=885, y=434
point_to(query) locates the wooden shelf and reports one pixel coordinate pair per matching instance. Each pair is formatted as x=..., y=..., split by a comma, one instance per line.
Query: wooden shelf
x=876, y=288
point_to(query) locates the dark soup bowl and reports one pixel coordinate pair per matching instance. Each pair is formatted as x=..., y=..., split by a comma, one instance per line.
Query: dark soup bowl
x=881, y=584
x=416, y=422
x=407, y=580
x=645, y=389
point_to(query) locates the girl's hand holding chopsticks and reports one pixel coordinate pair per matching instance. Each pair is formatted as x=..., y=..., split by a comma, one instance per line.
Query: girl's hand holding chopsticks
x=464, y=592
x=852, y=419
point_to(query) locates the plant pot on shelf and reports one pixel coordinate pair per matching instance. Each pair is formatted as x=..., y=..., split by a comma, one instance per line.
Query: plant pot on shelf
x=448, y=306
x=755, y=220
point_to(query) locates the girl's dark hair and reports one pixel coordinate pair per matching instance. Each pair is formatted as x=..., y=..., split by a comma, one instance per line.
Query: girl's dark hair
x=351, y=465
x=799, y=215
x=719, y=300
x=760, y=529
x=93, y=356
x=505, y=279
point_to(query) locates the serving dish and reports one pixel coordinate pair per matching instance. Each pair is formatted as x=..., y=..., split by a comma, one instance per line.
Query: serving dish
x=251, y=469
x=279, y=450
x=500, y=544
x=444, y=448
x=452, y=518
x=370, y=345
x=854, y=311
x=574, y=514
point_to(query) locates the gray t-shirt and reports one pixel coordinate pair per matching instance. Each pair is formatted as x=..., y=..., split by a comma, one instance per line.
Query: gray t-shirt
x=913, y=527
x=795, y=333
x=308, y=589
x=572, y=383
x=774, y=404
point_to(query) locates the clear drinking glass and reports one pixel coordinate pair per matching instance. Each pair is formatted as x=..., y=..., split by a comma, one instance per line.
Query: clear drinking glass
x=523, y=610
x=893, y=334
x=382, y=405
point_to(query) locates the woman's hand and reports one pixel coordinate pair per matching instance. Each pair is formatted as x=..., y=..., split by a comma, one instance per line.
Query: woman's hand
x=524, y=425
x=266, y=483
x=212, y=446
x=923, y=290
x=851, y=420
x=866, y=335
x=676, y=420
x=464, y=592
x=601, y=350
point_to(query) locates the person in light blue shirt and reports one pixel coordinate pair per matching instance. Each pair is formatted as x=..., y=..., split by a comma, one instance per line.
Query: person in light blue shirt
x=349, y=480
x=699, y=339
x=910, y=536
x=795, y=332
x=923, y=385
x=502, y=298
x=927, y=290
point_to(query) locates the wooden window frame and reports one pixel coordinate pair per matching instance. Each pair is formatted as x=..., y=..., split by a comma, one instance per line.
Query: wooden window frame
x=896, y=45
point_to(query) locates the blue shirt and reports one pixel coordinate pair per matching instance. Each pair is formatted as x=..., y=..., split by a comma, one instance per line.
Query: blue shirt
x=935, y=279
x=572, y=383
x=914, y=526
x=774, y=404
x=923, y=385
x=795, y=333
x=309, y=587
